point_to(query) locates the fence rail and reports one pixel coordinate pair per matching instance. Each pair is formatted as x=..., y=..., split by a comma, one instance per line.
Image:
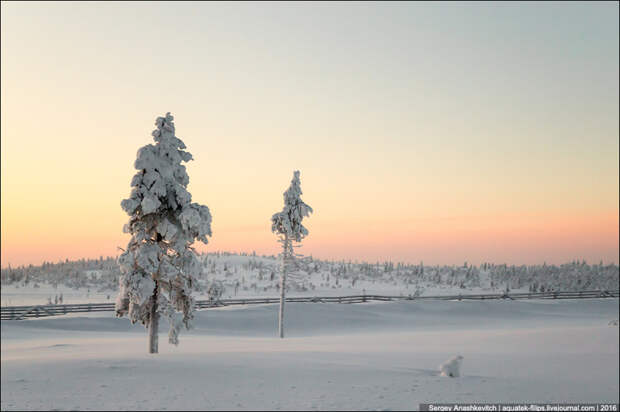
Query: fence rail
x=37, y=311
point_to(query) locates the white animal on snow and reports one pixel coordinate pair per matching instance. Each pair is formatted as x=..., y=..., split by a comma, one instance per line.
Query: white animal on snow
x=452, y=367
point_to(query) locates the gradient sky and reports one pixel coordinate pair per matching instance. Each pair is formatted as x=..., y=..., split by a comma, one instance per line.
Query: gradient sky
x=443, y=132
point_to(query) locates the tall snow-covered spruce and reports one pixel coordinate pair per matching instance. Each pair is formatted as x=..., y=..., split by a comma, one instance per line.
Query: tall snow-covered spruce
x=287, y=224
x=158, y=267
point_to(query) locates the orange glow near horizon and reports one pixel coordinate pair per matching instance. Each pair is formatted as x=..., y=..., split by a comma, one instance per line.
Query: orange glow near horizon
x=511, y=240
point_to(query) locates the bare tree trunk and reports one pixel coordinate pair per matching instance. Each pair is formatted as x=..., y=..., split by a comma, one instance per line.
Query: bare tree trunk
x=283, y=285
x=154, y=322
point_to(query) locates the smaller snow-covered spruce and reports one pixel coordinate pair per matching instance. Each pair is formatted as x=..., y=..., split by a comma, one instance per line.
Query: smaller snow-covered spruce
x=451, y=367
x=159, y=265
x=287, y=225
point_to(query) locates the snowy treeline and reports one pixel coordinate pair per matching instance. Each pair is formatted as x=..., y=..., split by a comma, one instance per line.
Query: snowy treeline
x=99, y=274
x=252, y=274
x=567, y=277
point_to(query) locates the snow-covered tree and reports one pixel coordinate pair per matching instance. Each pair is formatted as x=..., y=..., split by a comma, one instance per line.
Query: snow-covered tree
x=159, y=265
x=287, y=224
x=215, y=290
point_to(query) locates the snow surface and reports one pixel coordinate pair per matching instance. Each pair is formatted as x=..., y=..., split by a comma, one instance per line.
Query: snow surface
x=362, y=356
x=14, y=295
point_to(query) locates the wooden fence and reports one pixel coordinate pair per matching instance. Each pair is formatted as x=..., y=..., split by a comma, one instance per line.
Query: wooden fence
x=37, y=311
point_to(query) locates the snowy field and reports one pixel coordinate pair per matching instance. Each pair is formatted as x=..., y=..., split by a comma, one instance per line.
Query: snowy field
x=373, y=356
x=18, y=296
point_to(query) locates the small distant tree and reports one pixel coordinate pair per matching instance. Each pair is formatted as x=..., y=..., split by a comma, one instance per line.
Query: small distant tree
x=215, y=290
x=159, y=265
x=287, y=225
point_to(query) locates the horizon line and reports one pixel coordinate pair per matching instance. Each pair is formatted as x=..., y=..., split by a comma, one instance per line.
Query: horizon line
x=353, y=261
